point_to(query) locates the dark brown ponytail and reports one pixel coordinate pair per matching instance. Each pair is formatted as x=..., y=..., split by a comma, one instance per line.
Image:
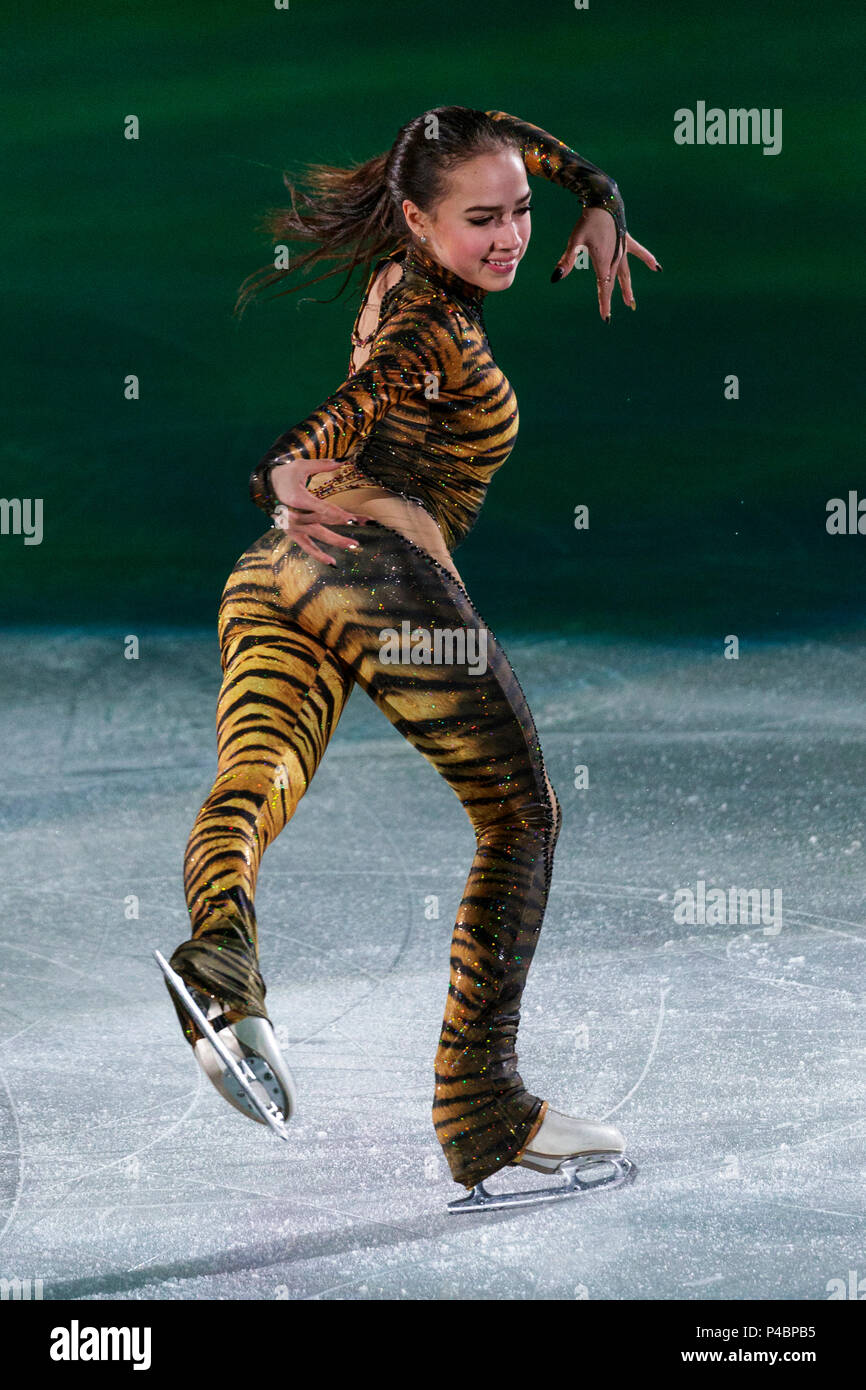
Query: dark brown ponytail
x=356, y=214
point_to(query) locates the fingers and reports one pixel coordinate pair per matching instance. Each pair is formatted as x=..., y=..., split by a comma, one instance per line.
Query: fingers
x=299, y=527
x=606, y=276
x=604, y=295
x=635, y=248
x=624, y=277
x=604, y=284
x=329, y=537
x=565, y=264
x=325, y=511
x=310, y=549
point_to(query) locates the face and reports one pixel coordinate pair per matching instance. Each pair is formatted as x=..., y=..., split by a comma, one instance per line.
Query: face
x=480, y=229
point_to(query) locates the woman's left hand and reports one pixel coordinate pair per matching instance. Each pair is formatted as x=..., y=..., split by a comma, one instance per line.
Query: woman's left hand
x=596, y=232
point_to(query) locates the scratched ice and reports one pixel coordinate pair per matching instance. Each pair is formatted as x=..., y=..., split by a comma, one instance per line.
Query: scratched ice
x=730, y=1051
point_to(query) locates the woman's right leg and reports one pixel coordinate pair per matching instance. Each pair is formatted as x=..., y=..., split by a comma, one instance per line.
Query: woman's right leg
x=282, y=695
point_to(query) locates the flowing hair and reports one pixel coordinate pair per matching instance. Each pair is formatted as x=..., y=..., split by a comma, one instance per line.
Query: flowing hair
x=356, y=214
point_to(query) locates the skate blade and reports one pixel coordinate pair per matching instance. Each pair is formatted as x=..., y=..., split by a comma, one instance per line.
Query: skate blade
x=549, y=1164
x=242, y=1073
x=575, y=1185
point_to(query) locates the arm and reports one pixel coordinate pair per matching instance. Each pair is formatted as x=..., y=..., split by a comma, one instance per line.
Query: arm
x=548, y=157
x=415, y=341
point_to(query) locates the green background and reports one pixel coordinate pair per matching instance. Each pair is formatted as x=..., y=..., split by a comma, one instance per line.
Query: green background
x=706, y=515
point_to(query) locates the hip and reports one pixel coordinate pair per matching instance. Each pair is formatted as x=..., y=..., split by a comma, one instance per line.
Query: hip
x=402, y=513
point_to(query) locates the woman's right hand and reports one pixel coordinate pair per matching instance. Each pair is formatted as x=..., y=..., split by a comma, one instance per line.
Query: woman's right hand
x=301, y=514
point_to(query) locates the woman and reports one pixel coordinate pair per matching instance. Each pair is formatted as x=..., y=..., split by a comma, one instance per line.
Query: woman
x=409, y=442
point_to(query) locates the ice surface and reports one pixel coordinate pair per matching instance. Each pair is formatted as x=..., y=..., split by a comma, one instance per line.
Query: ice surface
x=732, y=1056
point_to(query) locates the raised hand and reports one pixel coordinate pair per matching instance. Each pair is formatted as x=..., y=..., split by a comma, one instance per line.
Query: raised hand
x=596, y=232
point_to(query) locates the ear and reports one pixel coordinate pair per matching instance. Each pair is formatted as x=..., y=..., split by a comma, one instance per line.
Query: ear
x=415, y=218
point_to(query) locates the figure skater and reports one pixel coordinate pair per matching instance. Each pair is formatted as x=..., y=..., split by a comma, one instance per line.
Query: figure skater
x=410, y=442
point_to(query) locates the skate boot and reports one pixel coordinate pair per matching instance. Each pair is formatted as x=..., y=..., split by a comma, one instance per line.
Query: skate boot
x=562, y=1138
x=238, y=1053
x=588, y=1153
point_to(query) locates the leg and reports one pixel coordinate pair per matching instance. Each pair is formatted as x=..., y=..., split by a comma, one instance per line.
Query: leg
x=476, y=729
x=282, y=695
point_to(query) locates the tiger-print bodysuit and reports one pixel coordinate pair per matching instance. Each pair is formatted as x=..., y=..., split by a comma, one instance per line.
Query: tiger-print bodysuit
x=432, y=416
x=296, y=635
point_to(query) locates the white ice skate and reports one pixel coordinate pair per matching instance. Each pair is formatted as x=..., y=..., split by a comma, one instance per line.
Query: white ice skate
x=587, y=1153
x=242, y=1059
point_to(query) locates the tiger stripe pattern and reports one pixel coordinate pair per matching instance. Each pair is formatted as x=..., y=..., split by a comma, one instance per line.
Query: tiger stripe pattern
x=296, y=635
x=429, y=415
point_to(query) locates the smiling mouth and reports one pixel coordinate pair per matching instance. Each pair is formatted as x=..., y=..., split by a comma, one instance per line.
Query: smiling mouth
x=501, y=265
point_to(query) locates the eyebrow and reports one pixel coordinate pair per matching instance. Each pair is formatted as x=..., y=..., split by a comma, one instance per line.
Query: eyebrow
x=498, y=206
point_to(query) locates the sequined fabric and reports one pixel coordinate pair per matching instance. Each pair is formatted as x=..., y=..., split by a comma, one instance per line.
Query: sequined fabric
x=549, y=158
x=296, y=635
x=430, y=415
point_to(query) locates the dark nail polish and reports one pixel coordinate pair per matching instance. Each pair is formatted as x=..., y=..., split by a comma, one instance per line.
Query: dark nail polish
x=557, y=274
x=609, y=317
x=658, y=266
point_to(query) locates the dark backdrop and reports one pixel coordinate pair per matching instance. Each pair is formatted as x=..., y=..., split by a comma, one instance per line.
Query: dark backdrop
x=707, y=515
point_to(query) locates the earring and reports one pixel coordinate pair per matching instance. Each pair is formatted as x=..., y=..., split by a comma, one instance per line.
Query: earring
x=423, y=238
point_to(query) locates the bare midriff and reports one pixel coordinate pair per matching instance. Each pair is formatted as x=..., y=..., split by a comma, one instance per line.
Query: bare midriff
x=401, y=514
x=392, y=509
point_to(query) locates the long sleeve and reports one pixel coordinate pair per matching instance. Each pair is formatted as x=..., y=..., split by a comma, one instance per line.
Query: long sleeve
x=549, y=158
x=414, y=343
